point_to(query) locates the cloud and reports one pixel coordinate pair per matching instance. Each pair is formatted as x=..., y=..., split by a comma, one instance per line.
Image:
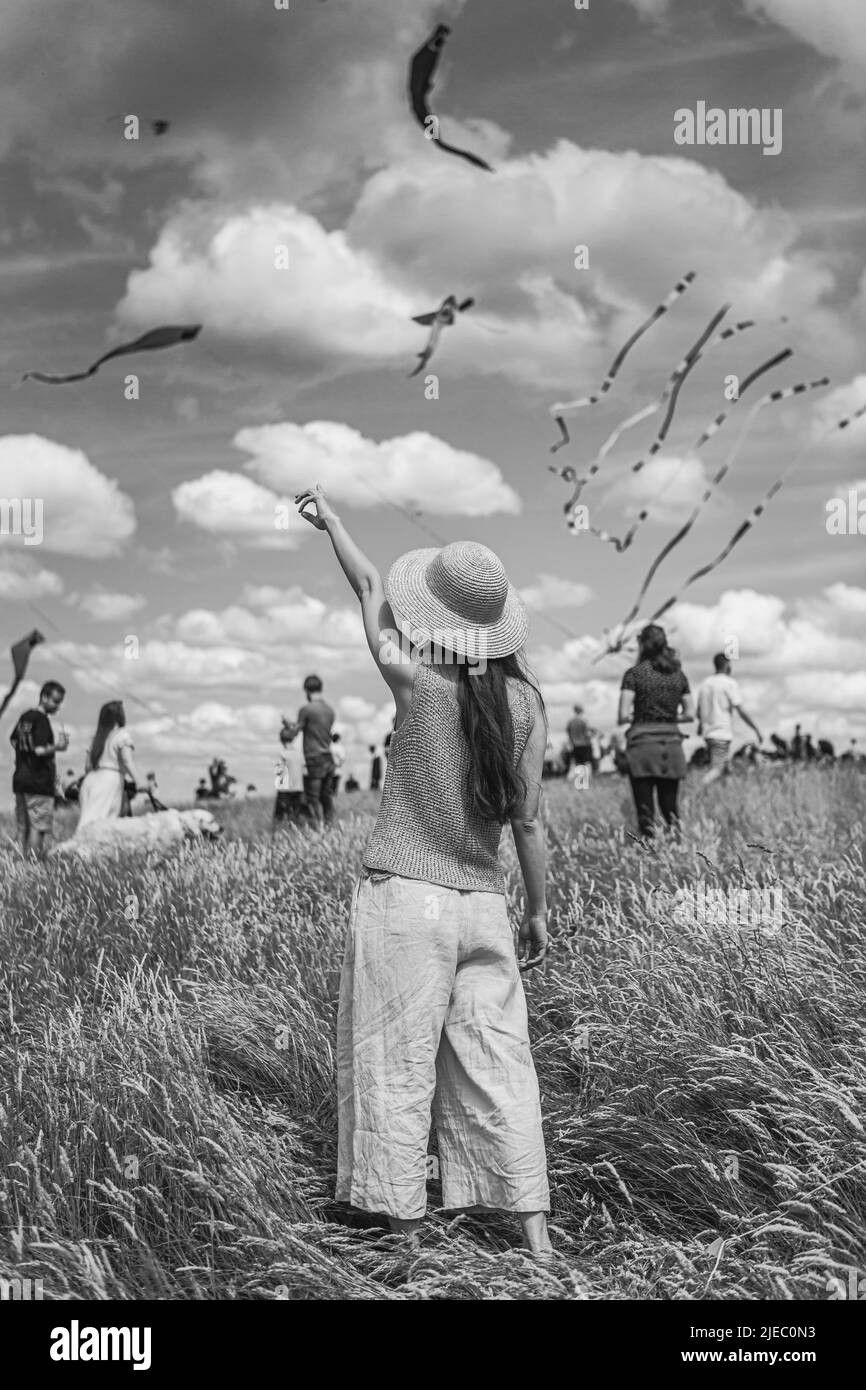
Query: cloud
x=232, y=505
x=414, y=468
x=668, y=486
x=834, y=407
x=84, y=513
x=550, y=591
x=833, y=27
x=104, y=607
x=21, y=579
x=418, y=231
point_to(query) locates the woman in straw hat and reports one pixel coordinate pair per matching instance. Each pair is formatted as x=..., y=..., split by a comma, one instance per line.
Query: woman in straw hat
x=432, y=1011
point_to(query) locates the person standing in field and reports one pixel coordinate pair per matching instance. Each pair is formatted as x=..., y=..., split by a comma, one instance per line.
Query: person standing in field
x=316, y=719
x=432, y=1013
x=109, y=765
x=579, y=751
x=718, y=700
x=375, y=768
x=654, y=699
x=34, y=780
x=338, y=753
x=289, y=779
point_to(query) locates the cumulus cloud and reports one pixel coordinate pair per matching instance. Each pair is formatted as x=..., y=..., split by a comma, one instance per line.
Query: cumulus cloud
x=232, y=505
x=414, y=468
x=104, y=607
x=668, y=486
x=21, y=579
x=346, y=301
x=551, y=591
x=84, y=513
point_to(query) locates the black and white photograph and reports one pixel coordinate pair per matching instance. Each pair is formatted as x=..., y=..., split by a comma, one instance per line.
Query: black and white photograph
x=433, y=666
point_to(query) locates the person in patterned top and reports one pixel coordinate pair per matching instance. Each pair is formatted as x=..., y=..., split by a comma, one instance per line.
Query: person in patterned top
x=654, y=700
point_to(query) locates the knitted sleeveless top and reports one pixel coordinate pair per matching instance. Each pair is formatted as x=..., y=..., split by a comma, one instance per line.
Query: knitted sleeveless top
x=425, y=829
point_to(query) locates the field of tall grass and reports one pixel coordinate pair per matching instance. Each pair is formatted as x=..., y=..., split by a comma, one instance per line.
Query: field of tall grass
x=167, y=1097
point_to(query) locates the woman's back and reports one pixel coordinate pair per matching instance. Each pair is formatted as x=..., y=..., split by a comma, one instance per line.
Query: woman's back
x=657, y=694
x=426, y=828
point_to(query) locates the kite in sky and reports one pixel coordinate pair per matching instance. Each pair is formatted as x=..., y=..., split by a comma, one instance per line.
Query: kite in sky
x=670, y=395
x=754, y=514
x=20, y=656
x=771, y=398
x=421, y=75
x=561, y=408
x=624, y=542
x=148, y=342
x=438, y=319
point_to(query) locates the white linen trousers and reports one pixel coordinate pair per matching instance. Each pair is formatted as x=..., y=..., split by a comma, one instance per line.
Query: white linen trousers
x=432, y=1017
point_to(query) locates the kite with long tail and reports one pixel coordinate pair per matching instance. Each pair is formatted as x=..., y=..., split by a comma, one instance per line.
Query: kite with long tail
x=772, y=397
x=421, y=76
x=562, y=408
x=623, y=543
x=20, y=653
x=670, y=395
x=754, y=515
x=438, y=319
x=156, y=339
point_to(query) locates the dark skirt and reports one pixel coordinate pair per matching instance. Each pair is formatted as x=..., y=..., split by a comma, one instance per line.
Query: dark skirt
x=655, y=750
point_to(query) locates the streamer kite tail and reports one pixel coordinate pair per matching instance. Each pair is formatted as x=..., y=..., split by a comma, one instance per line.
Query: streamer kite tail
x=153, y=341
x=20, y=654
x=561, y=408
x=755, y=514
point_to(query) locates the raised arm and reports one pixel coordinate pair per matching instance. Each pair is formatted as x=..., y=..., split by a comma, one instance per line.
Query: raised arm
x=528, y=833
x=380, y=628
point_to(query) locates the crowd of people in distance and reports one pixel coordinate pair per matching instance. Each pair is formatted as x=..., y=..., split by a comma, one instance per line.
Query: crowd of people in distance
x=655, y=699
x=108, y=788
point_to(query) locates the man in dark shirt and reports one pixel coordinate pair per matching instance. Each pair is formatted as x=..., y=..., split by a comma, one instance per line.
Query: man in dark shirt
x=375, y=768
x=316, y=719
x=35, y=778
x=579, y=740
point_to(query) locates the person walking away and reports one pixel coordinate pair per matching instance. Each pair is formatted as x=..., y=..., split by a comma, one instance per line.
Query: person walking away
x=797, y=745
x=432, y=1014
x=338, y=753
x=34, y=779
x=654, y=699
x=289, y=776
x=718, y=701
x=316, y=719
x=580, y=741
x=109, y=765
x=375, y=768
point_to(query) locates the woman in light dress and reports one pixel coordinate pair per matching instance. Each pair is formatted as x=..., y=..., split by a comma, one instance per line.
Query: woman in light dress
x=110, y=763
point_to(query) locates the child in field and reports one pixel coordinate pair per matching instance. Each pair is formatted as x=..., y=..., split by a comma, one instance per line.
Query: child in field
x=432, y=1010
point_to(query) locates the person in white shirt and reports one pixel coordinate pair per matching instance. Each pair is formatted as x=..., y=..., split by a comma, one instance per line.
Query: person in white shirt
x=338, y=753
x=289, y=780
x=718, y=700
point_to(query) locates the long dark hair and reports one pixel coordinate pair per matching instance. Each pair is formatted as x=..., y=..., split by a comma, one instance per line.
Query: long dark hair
x=653, y=647
x=111, y=716
x=495, y=788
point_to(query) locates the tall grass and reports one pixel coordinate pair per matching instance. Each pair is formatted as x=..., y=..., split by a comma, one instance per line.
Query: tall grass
x=167, y=1103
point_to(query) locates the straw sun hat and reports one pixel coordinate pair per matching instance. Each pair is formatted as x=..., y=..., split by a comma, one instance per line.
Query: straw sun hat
x=460, y=598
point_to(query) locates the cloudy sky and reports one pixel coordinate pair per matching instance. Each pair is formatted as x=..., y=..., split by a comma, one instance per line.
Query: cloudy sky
x=291, y=129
